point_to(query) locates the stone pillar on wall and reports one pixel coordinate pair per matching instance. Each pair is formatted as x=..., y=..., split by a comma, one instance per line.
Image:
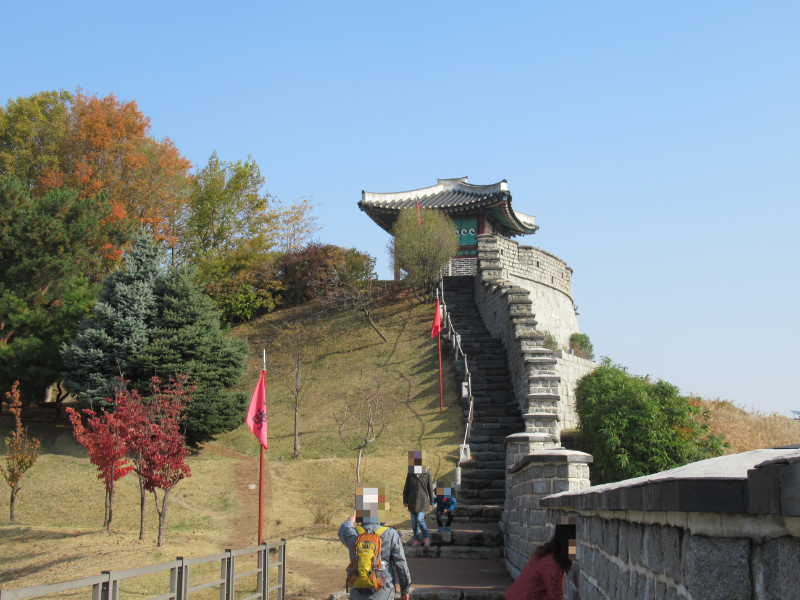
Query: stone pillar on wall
x=532, y=478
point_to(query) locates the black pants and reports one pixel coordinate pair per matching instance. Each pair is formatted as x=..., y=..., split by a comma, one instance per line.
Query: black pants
x=439, y=518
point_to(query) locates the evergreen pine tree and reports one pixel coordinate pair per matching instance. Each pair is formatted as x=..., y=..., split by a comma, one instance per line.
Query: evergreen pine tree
x=189, y=340
x=122, y=325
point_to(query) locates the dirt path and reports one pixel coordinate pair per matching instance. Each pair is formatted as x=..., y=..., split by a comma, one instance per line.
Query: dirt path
x=244, y=525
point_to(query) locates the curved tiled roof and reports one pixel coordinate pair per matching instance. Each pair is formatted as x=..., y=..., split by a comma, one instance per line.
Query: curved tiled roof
x=453, y=196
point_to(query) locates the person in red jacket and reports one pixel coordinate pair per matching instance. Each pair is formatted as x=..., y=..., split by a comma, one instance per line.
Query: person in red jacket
x=543, y=576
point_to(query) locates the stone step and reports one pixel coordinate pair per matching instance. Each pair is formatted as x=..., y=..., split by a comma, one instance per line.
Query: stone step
x=472, y=552
x=488, y=455
x=457, y=537
x=473, y=465
x=485, y=447
x=484, y=474
x=477, y=500
x=492, y=487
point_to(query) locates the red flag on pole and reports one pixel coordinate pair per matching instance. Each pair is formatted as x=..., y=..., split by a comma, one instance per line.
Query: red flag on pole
x=419, y=215
x=437, y=321
x=257, y=413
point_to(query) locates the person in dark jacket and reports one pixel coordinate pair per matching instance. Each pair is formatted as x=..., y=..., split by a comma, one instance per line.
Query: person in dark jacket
x=543, y=576
x=445, y=505
x=418, y=495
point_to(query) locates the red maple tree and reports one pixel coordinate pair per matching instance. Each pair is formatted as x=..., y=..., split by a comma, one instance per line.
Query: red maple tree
x=107, y=441
x=156, y=442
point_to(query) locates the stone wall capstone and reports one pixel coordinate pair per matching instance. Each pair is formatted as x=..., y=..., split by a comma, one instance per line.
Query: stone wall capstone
x=677, y=534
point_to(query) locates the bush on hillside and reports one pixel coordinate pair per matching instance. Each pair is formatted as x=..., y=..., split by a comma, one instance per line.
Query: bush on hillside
x=243, y=285
x=421, y=247
x=307, y=273
x=634, y=426
x=580, y=344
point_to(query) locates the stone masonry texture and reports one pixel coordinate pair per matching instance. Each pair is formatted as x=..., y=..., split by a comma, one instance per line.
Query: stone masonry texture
x=620, y=558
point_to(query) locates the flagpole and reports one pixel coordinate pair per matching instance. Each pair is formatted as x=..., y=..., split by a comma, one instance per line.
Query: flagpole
x=439, y=340
x=261, y=470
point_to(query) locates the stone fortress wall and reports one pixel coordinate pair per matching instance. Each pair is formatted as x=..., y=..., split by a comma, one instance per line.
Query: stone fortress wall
x=725, y=528
x=549, y=281
x=570, y=369
x=516, y=302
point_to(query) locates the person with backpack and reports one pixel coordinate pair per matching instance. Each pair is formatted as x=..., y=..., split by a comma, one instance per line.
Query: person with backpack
x=376, y=553
x=445, y=505
x=418, y=495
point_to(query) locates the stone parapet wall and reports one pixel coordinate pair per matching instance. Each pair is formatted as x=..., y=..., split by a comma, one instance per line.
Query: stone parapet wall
x=570, y=369
x=724, y=528
x=533, y=478
x=549, y=281
x=670, y=555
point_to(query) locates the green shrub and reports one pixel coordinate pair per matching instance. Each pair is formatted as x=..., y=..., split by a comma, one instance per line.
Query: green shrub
x=581, y=345
x=550, y=340
x=244, y=285
x=634, y=426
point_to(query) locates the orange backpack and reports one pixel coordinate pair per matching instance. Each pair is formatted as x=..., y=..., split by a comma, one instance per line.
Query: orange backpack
x=363, y=572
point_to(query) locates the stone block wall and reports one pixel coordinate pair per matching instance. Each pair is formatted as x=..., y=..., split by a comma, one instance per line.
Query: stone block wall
x=724, y=528
x=659, y=556
x=549, y=281
x=570, y=369
x=531, y=479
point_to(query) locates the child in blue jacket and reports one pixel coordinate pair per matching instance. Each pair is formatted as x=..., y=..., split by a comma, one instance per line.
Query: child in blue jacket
x=445, y=505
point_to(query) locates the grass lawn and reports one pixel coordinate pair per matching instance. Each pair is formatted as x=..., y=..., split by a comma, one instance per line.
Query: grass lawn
x=58, y=536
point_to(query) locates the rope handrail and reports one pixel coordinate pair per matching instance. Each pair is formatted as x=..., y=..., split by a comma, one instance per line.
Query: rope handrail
x=455, y=338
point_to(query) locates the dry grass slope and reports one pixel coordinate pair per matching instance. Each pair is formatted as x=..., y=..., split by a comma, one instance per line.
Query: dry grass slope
x=750, y=430
x=60, y=507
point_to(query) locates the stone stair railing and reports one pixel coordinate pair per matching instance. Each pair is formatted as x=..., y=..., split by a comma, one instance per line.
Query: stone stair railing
x=506, y=310
x=453, y=336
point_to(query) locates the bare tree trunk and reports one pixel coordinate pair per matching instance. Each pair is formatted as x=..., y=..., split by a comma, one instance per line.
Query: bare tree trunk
x=375, y=327
x=14, y=491
x=105, y=514
x=110, y=505
x=296, y=430
x=162, y=516
x=60, y=397
x=142, y=499
x=358, y=466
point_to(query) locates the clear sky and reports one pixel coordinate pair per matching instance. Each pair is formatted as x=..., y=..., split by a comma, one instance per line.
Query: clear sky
x=657, y=143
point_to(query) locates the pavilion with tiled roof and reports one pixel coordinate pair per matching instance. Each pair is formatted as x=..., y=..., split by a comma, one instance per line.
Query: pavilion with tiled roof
x=475, y=209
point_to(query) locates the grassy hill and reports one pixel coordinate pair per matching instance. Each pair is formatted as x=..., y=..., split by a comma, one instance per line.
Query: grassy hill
x=60, y=507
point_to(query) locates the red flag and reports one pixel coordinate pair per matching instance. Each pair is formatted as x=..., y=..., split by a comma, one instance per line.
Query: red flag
x=419, y=215
x=437, y=321
x=257, y=413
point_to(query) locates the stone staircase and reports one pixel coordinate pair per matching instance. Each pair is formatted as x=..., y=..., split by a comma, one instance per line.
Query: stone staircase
x=496, y=414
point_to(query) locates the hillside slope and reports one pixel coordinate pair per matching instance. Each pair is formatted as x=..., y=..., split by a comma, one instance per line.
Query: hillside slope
x=60, y=508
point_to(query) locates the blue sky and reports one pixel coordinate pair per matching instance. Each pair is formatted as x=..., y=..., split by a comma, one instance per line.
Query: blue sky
x=658, y=144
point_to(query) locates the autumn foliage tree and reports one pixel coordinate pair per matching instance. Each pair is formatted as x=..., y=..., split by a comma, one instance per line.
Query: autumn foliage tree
x=93, y=145
x=21, y=452
x=164, y=445
x=107, y=441
x=156, y=442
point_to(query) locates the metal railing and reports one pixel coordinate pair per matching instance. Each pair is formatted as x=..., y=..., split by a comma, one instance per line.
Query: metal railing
x=107, y=585
x=455, y=338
